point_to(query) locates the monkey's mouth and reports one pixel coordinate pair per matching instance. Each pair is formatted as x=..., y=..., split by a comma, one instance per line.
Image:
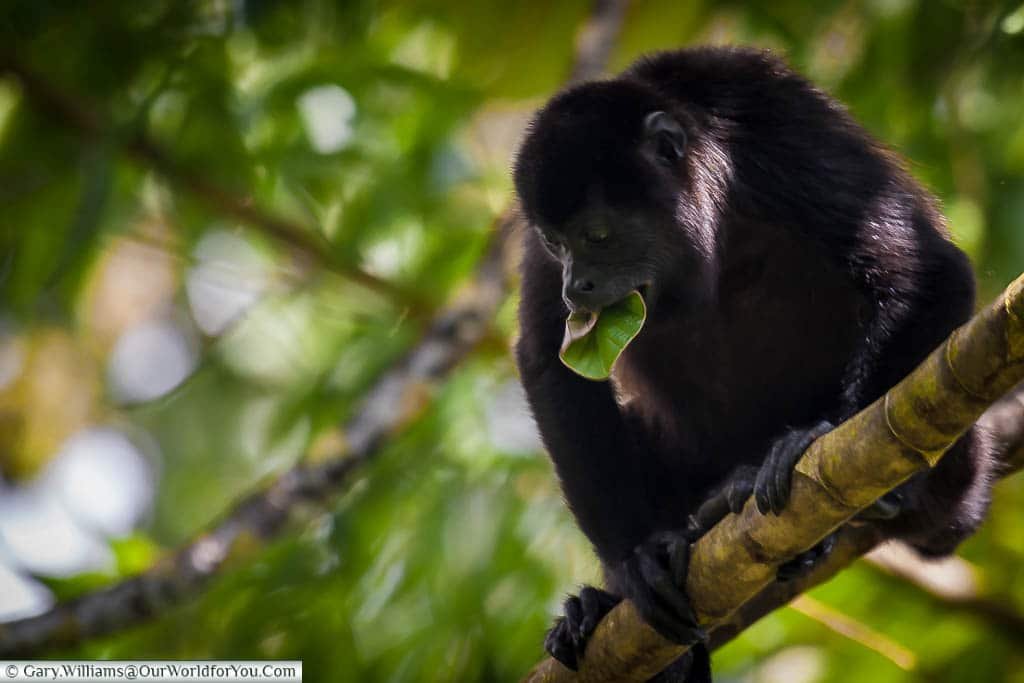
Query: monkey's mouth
x=645, y=290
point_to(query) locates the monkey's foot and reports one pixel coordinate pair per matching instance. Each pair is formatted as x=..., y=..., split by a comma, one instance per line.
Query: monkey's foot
x=568, y=638
x=653, y=577
x=802, y=564
x=774, y=479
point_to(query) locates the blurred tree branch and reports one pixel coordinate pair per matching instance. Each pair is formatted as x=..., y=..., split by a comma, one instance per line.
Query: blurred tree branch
x=856, y=631
x=732, y=570
x=391, y=404
x=948, y=583
x=75, y=113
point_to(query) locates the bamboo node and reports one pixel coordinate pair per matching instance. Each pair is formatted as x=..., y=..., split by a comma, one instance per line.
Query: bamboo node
x=930, y=456
x=949, y=355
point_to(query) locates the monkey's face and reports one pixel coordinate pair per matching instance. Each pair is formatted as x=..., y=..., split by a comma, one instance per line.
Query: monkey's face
x=605, y=253
x=601, y=176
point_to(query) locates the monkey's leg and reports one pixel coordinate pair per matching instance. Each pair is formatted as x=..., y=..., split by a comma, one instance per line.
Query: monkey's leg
x=939, y=508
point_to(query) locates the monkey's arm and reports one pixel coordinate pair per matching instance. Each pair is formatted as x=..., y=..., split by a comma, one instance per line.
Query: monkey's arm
x=596, y=452
x=915, y=297
x=915, y=290
x=931, y=293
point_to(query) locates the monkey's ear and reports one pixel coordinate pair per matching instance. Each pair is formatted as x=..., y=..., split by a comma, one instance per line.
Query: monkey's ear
x=664, y=137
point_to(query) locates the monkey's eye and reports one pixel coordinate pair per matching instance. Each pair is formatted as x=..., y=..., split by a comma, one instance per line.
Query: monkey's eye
x=596, y=235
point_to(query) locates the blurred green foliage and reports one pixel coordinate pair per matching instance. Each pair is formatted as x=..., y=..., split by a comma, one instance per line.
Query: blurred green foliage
x=448, y=556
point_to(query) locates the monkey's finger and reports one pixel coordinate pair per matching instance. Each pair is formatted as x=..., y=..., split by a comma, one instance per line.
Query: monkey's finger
x=670, y=593
x=761, y=484
x=780, y=488
x=741, y=488
x=559, y=645
x=573, y=613
x=819, y=430
x=667, y=620
x=596, y=604
x=679, y=559
x=694, y=527
x=782, y=474
x=670, y=626
x=708, y=514
x=760, y=492
x=796, y=444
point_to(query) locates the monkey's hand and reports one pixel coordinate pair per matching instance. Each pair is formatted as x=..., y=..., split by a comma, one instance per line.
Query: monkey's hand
x=653, y=577
x=730, y=497
x=774, y=479
x=770, y=484
x=568, y=638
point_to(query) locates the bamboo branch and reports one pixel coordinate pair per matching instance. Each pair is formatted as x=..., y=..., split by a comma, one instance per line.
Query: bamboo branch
x=393, y=402
x=851, y=543
x=1005, y=420
x=904, y=432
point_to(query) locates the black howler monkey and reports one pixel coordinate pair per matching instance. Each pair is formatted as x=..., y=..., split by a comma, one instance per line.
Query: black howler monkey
x=793, y=272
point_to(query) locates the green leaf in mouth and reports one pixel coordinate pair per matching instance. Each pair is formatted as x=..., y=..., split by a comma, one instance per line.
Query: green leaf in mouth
x=594, y=341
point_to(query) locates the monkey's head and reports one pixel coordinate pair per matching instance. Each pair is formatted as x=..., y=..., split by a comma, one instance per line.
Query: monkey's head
x=603, y=177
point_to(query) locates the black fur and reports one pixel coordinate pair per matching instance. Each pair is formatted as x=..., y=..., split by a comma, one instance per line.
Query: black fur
x=794, y=272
